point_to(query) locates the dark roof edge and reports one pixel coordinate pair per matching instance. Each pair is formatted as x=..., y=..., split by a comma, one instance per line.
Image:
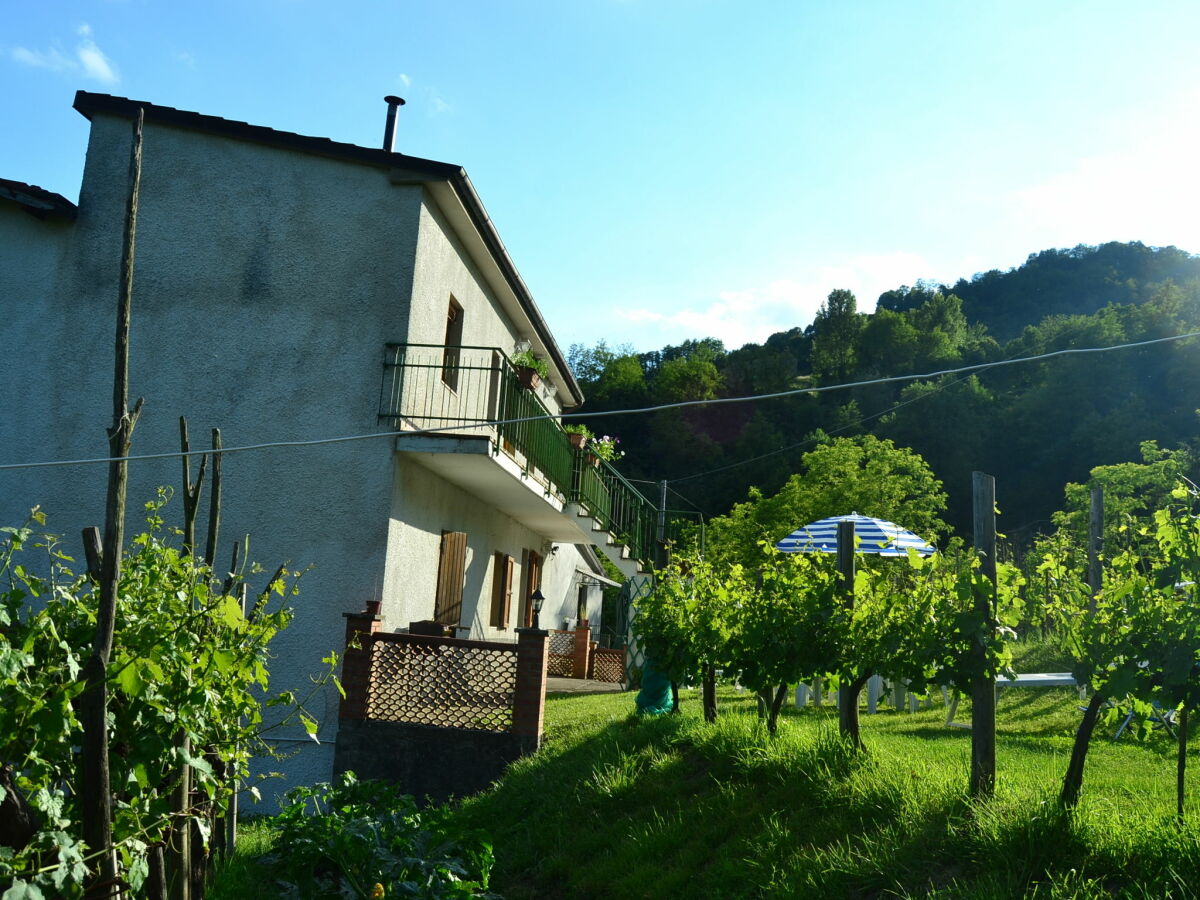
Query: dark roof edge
x=36, y=200
x=88, y=103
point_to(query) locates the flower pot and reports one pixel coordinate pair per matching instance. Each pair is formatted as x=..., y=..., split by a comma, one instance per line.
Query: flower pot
x=578, y=441
x=593, y=460
x=528, y=377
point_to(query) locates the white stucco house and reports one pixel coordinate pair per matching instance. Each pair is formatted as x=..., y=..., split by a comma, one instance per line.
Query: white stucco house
x=291, y=289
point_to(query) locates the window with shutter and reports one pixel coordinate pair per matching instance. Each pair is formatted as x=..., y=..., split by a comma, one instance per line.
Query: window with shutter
x=452, y=571
x=502, y=573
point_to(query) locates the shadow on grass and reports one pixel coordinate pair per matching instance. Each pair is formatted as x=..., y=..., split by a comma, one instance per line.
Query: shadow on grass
x=672, y=807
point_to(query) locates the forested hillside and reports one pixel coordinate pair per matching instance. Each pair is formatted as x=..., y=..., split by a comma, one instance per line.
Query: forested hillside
x=1035, y=426
x=1079, y=281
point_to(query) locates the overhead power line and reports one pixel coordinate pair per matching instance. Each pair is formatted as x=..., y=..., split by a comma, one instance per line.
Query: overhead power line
x=344, y=439
x=810, y=441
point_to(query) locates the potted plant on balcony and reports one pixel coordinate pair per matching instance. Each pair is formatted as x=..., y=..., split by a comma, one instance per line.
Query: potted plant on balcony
x=530, y=370
x=578, y=435
x=604, y=448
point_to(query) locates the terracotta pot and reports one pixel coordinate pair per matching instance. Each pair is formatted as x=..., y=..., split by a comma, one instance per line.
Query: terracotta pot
x=528, y=377
x=593, y=459
x=578, y=441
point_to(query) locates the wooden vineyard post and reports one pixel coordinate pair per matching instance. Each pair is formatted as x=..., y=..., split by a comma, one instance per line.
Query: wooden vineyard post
x=229, y=825
x=1095, y=545
x=214, y=503
x=983, y=691
x=96, y=799
x=847, y=704
x=1073, y=780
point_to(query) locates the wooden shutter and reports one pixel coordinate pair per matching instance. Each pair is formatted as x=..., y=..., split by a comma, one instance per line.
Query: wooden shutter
x=452, y=570
x=533, y=578
x=502, y=574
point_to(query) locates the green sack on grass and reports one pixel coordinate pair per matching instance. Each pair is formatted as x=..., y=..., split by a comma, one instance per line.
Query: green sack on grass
x=654, y=698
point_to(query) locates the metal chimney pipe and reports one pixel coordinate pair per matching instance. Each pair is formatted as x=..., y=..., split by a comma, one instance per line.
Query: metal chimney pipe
x=389, y=131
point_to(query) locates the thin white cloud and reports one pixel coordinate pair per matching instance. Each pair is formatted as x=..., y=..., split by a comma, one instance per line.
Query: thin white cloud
x=438, y=106
x=95, y=64
x=88, y=60
x=751, y=315
x=52, y=59
x=404, y=80
x=1146, y=190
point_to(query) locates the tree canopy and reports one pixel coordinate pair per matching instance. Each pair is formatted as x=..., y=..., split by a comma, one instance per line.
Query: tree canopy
x=1035, y=426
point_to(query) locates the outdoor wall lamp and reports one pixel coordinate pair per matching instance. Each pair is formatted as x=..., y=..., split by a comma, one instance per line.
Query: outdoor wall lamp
x=539, y=600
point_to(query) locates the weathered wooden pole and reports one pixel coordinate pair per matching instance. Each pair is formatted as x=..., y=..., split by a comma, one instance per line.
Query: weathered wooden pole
x=96, y=793
x=191, y=491
x=847, y=704
x=214, y=501
x=983, y=691
x=230, y=824
x=179, y=835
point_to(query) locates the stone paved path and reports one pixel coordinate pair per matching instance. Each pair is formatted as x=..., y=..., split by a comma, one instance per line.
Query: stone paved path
x=556, y=685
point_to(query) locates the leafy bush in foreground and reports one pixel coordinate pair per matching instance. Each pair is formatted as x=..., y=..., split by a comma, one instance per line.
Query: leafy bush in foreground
x=365, y=839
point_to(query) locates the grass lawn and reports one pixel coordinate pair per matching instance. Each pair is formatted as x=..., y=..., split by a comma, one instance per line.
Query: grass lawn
x=615, y=806
x=618, y=806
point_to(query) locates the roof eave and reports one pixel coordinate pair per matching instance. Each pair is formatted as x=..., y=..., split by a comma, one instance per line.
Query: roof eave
x=37, y=201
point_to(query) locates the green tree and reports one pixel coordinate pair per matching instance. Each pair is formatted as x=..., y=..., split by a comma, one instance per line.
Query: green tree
x=786, y=625
x=864, y=474
x=1132, y=491
x=683, y=379
x=835, y=338
x=684, y=623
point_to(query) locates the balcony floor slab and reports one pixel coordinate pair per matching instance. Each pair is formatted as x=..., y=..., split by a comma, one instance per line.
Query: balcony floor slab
x=496, y=479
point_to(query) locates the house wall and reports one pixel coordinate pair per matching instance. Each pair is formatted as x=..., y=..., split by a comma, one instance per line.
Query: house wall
x=423, y=506
x=444, y=269
x=267, y=282
x=33, y=252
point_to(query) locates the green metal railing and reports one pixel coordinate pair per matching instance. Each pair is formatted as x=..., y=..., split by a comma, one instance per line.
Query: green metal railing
x=615, y=504
x=476, y=391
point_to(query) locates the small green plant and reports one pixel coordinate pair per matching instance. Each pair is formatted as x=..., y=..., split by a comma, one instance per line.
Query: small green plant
x=365, y=839
x=188, y=677
x=526, y=360
x=605, y=447
x=579, y=429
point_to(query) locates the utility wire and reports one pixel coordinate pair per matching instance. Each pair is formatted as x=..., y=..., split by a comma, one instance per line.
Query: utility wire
x=939, y=388
x=684, y=499
x=812, y=440
x=316, y=442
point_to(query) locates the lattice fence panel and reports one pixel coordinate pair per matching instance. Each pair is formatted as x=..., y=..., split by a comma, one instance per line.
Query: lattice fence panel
x=608, y=665
x=560, y=655
x=443, y=685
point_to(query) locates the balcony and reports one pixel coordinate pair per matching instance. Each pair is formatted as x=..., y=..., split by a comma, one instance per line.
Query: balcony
x=479, y=427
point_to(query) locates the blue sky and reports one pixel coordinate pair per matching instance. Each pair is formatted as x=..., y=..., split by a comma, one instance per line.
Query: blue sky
x=663, y=170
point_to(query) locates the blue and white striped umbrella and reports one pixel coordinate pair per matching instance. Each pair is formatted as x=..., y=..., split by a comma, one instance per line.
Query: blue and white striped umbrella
x=874, y=536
